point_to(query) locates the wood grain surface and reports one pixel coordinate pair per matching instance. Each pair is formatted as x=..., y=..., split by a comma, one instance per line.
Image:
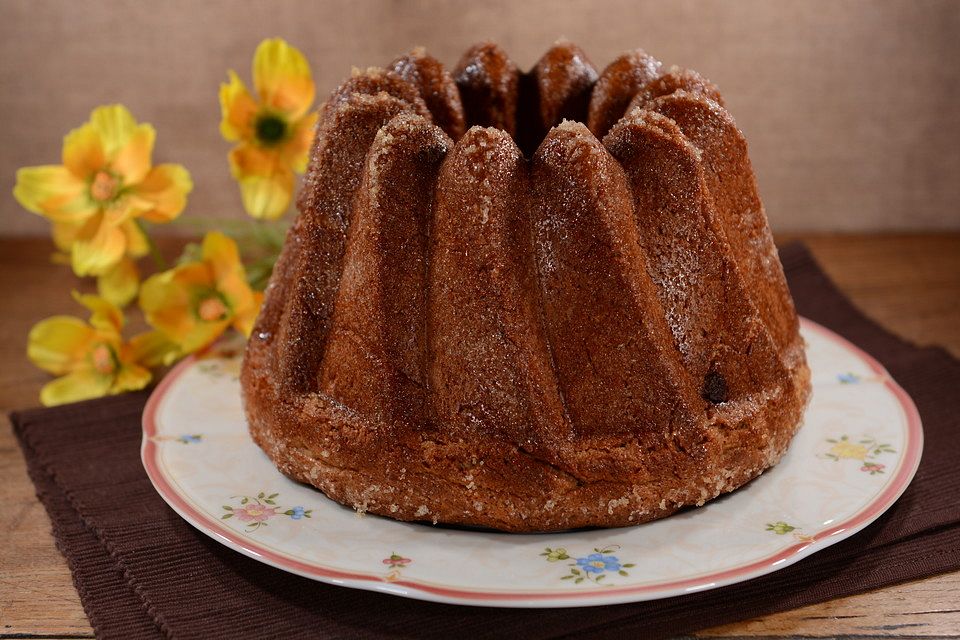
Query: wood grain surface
x=908, y=283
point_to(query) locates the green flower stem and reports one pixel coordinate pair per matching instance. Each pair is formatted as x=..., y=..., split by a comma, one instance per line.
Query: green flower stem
x=158, y=260
x=233, y=227
x=252, y=236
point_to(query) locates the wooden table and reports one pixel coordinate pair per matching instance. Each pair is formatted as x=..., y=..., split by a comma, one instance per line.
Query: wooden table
x=909, y=283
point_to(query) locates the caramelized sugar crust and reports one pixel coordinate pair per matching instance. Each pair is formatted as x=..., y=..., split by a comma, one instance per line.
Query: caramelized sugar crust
x=526, y=301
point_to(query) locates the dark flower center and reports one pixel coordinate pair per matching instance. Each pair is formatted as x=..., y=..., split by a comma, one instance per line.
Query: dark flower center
x=270, y=129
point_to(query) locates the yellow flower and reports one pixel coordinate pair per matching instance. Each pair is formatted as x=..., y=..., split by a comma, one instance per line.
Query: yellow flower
x=194, y=303
x=274, y=131
x=106, y=182
x=92, y=358
x=848, y=450
x=119, y=284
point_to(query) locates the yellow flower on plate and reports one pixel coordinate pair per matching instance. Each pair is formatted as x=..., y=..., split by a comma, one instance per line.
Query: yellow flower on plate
x=194, y=303
x=91, y=358
x=273, y=130
x=105, y=184
x=845, y=449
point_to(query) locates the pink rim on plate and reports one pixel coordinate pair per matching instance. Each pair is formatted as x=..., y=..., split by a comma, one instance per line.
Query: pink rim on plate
x=600, y=595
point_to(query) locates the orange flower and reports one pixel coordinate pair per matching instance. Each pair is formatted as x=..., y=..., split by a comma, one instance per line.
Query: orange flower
x=194, y=303
x=273, y=130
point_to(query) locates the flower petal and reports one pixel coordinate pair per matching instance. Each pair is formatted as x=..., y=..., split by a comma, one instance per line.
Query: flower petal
x=296, y=152
x=132, y=160
x=282, y=77
x=239, y=295
x=222, y=255
x=204, y=334
x=131, y=377
x=115, y=124
x=265, y=184
x=238, y=110
x=83, y=153
x=99, y=246
x=64, y=233
x=151, y=349
x=138, y=245
x=53, y=191
x=104, y=315
x=119, y=285
x=119, y=212
x=244, y=319
x=167, y=301
x=59, y=344
x=267, y=198
x=162, y=194
x=220, y=252
x=79, y=385
x=251, y=160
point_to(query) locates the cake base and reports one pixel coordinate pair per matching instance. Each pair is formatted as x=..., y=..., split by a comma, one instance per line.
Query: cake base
x=418, y=475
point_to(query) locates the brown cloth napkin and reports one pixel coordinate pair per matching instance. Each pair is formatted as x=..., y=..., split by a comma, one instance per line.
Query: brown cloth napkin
x=142, y=572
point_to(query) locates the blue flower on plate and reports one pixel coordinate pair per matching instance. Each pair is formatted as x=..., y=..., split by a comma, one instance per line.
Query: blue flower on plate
x=598, y=563
x=848, y=378
x=190, y=438
x=297, y=513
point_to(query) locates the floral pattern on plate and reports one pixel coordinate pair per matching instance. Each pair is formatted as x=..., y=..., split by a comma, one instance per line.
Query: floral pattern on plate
x=593, y=566
x=256, y=510
x=864, y=450
x=396, y=562
x=782, y=528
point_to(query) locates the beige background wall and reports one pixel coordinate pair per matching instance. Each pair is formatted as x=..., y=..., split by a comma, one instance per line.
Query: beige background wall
x=852, y=108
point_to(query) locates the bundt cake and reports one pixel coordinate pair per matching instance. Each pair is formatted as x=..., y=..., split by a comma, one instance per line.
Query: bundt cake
x=528, y=302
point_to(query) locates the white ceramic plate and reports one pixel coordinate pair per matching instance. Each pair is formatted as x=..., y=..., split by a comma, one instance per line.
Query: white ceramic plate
x=854, y=456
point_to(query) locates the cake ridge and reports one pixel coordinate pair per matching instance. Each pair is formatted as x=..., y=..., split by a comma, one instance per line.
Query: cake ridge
x=591, y=232
x=617, y=85
x=437, y=88
x=713, y=130
x=488, y=356
x=343, y=136
x=372, y=81
x=488, y=82
x=378, y=320
x=564, y=78
x=676, y=80
x=705, y=300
